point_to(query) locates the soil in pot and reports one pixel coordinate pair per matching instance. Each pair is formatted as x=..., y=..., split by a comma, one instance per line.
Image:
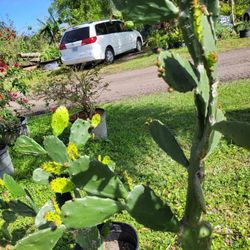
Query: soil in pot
x=121, y=236
x=118, y=245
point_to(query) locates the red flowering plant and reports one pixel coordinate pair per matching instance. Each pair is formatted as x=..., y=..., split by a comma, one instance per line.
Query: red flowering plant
x=13, y=101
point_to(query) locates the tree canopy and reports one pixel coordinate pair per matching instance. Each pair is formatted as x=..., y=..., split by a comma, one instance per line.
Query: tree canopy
x=78, y=11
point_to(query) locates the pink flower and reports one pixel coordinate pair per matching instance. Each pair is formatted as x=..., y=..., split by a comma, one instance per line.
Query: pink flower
x=23, y=100
x=13, y=96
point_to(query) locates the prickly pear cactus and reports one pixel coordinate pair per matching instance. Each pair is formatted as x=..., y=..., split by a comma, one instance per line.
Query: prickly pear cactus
x=197, y=21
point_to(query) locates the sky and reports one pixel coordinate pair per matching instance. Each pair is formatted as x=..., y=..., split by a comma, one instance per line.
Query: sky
x=24, y=13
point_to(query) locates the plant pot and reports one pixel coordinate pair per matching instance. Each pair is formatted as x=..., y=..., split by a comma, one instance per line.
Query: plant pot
x=6, y=166
x=121, y=236
x=100, y=131
x=244, y=33
x=10, y=136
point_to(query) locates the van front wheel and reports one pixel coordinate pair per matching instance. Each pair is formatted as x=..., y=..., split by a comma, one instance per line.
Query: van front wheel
x=109, y=56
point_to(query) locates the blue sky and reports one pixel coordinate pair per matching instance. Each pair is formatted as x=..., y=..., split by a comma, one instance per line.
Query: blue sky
x=24, y=12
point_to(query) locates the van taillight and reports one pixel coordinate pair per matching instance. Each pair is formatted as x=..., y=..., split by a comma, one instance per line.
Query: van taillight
x=89, y=40
x=62, y=46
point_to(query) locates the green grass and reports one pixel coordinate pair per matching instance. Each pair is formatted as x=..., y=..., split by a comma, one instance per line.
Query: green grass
x=149, y=59
x=132, y=148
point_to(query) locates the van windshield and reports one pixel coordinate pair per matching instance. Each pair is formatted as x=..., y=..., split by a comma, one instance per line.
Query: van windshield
x=75, y=35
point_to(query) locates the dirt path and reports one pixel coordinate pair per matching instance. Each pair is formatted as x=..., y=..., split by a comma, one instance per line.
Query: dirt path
x=233, y=65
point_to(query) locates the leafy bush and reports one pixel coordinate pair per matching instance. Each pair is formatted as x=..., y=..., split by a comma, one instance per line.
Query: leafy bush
x=50, y=52
x=74, y=89
x=224, y=32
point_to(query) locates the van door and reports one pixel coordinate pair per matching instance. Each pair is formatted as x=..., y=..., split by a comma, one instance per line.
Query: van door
x=115, y=36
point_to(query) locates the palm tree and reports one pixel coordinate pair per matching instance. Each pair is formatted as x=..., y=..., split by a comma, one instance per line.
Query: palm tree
x=50, y=28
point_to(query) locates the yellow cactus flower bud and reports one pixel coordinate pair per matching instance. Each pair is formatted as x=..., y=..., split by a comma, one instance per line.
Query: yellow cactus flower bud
x=55, y=206
x=54, y=217
x=61, y=185
x=128, y=180
x=212, y=59
x=95, y=121
x=2, y=184
x=72, y=151
x=53, y=167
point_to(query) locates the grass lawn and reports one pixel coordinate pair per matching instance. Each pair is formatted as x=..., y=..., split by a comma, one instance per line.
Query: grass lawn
x=131, y=147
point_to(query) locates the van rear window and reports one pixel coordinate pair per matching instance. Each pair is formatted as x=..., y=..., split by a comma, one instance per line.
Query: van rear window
x=75, y=35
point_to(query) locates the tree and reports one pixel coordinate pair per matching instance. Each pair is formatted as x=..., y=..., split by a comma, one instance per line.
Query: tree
x=78, y=11
x=50, y=28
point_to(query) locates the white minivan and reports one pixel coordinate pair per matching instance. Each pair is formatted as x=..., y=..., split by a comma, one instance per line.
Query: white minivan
x=101, y=40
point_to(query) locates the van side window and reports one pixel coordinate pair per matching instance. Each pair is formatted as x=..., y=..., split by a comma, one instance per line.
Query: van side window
x=113, y=27
x=101, y=29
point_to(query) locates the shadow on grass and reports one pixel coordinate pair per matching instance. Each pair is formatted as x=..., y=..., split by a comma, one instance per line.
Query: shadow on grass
x=239, y=115
x=130, y=142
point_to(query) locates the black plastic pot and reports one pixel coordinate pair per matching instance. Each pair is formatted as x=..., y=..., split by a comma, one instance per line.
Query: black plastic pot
x=121, y=232
x=6, y=166
x=244, y=33
x=21, y=128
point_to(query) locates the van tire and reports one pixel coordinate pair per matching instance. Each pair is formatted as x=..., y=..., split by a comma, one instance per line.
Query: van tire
x=109, y=55
x=138, y=46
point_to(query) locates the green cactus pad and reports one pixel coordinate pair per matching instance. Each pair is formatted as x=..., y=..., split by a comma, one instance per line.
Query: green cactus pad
x=21, y=208
x=56, y=149
x=40, y=176
x=239, y=132
x=40, y=240
x=208, y=39
x=39, y=220
x=167, y=142
x=89, y=238
x=60, y=120
x=178, y=72
x=79, y=165
x=215, y=136
x=15, y=189
x=99, y=180
x=79, y=133
x=148, y=12
x=88, y=211
x=26, y=145
x=149, y=210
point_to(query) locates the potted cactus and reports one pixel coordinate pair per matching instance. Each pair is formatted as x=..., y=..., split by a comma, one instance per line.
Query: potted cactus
x=86, y=192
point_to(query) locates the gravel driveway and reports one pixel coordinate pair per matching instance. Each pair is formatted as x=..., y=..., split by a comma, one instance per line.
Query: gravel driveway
x=233, y=65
